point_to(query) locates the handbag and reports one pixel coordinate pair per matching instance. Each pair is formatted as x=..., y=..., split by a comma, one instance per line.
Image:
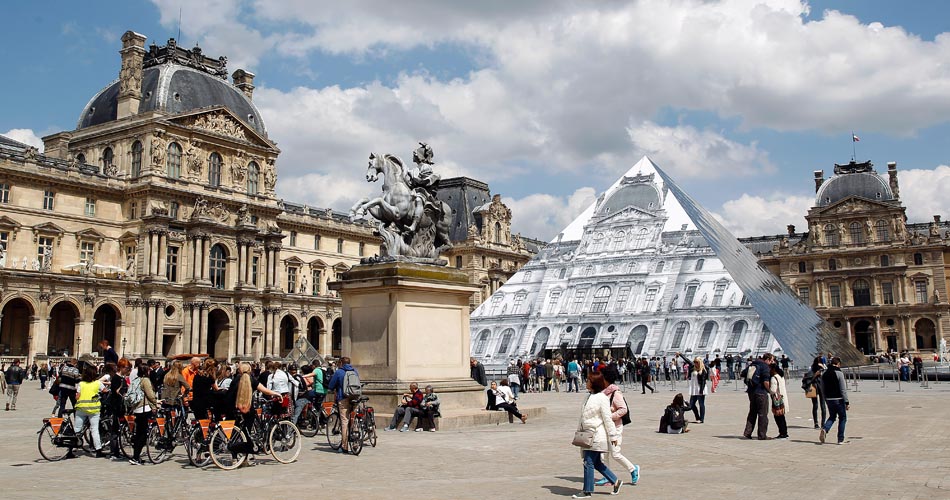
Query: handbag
x=812, y=392
x=778, y=406
x=582, y=438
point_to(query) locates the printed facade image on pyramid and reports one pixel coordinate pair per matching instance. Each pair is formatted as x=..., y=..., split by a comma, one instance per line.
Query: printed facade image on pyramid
x=639, y=273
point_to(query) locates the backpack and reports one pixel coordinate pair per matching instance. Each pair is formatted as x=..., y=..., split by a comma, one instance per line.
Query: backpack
x=325, y=381
x=352, y=387
x=135, y=395
x=625, y=419
x=752, y=377
x=674, y=417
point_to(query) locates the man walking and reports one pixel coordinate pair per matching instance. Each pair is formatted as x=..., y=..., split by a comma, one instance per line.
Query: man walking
x=836, y=396
x=756, y=377
x=13, y=377
x=573, y=376
x=478, y=372
x=44, y=375
x=108, y=353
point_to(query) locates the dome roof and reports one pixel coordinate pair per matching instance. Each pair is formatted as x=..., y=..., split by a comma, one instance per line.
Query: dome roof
x=867, y=185
x=641, y=195
x=175, y=89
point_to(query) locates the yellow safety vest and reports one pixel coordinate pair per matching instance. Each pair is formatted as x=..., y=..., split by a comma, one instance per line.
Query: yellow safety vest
x=88, y=400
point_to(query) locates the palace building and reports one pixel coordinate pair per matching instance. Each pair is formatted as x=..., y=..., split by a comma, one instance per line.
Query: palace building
x=154, y=224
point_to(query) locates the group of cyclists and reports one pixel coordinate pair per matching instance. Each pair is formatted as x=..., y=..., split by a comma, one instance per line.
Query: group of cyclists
x=240, y=410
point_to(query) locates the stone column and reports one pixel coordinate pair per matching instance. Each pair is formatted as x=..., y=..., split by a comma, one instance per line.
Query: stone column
x=242, y=255
x=275, y=331
x=847, y=326
x=276, y=278
x=269, y=277
x=162, y=252
x=246, y=314
x=239, y=318
x=205, y=257
x=879, y=341
x=202, y=333
x=265, y=333
x=186, y=333
x=195, y=327
x=248, y=263
x=141, y=327
x=159, y=327
x=193, y=259
x=39, y=331
x=900, y=280
x=153, y=253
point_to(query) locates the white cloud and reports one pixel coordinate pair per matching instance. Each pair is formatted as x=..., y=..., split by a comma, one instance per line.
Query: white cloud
x=751, y=215
x=924, y=192
x=318, y=190
x=543, y=216
x=26, y=136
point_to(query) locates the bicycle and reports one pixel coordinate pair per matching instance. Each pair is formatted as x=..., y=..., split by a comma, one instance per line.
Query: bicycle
x=362, y=426
x=309, y=421
x=166, y=431
x=269, y=432
x=198, y=440
x=57, y=438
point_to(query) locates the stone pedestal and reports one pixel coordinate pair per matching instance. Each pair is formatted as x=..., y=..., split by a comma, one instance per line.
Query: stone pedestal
x=406, y=323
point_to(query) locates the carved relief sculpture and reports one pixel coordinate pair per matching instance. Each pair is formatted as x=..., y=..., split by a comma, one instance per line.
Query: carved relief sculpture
x=193, y=160
x=220, y=123
x=157, y=151
x=238, y=173
x=130, y=76
x=270, y=176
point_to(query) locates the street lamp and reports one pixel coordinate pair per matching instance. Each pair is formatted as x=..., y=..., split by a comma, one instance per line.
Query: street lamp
x=123, y=346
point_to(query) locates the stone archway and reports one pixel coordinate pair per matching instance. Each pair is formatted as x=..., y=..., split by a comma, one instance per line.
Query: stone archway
x=637, y=337
x=864, y=336
x=314, y=326
x=15, y=328
x=926, y=333
x=62, y=329
x=218, y=334
x=288, y=334
x=337, y=338
x=104, y=326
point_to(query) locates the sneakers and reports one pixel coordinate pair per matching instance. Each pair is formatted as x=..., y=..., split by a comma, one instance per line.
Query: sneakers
x=635, y=475
x=602, y=481
x=617, y=486
x=135, y=461
x=821, y=435
x=582, y=494
x=419, y=429
x=387, y=429
x=404, y=428
x=841, y=443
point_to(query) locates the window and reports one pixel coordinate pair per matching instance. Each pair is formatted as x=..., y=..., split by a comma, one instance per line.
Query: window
x=562, y=273
x=832, y=265
x=4, y=193
x=699, y=264
x=136, y=158
x=293, y=238
x=737, y=330
x=458, y=262
x=214, y=169
x=681, y=328
x=495, y=301
x=173, y=161
x=497, y=232
x=764, y=338
x=519, y=300
x=650, y=298
x=481, y=343
x=255, y=262
x=588, y=270
x=316, y=242
x=641, y=238
x=339, y=245
x=690, y=295
x=48, y=196
x=171, y=264
x=887, y=292
x=601, y=297
x=553, y=300
x=803, y=294
x=362, y=248
x=831, y=235
x=659, y=267
x=90, y=207
x=108, y=158
x=217, y=266
x=484, y=262
x=618, y=240
x=292, y=279
x=857, y=232
x=744, y=301
x=718, y=293
x=132, y=210
x=861, y=293
x=708, y=330
x=622, y=296
x=835, y=292
x=87, y=253
x=253, y=177
x=317, y=276
x=883, y=234
x=801, y=267
x=885, y=261
x=44, y=248
x=918, y=259
x=173, y=210
x=579, y=297
x=920, y=290
x=81, y=158
x=4, y=238
x=527, y=277
x=505, y=341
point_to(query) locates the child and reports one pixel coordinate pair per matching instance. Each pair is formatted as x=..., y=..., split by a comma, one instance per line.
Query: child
x=673, y=420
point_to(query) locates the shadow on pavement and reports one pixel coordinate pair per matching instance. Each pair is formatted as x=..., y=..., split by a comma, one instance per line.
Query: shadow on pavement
x=560, y=490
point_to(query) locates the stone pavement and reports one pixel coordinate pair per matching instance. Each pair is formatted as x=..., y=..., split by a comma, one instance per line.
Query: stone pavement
x=898, y=449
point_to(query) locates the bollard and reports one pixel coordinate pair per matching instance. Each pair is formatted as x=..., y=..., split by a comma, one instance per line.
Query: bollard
x=899, y=385
x=880, y=375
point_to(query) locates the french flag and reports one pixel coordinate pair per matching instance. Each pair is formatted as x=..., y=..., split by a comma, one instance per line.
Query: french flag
x=854, y=138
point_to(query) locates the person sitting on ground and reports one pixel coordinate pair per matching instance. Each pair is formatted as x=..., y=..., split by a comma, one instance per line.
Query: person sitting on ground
x=430, y=410
x=408, y=409
x=506, y=401
x=673, y=420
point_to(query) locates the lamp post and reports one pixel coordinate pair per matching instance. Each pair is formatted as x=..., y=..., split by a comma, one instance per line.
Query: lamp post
x=123, y=346
x=29, y=349
x=78, y=343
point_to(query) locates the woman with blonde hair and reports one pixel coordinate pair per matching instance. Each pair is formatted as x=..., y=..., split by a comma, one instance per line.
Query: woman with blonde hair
x=240, y=396
x=699, y=387
x=174, y=384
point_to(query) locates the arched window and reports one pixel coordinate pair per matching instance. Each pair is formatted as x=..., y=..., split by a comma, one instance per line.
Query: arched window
x=108, y=158
x=505, y=341
x=598, y=241
x=659, y=266
x=214, y=170
x=136, y=158
x=699, y=264
x=708, y=330
x=601, y=297
x=832, y=265
x=857, y=232
x=765, y=337
x=918, y=259
x=883, y=234
x=801, y=267
x=253, y=177
x=682, y=328
x=861, y=292
x=618, y=240
x=540, y=341
x=641, y=238
x=885, y=261
x=217, y=266
x=173, y=160
x=831, y=235
x=81, y=158
x=737, y=330
x=481, y=342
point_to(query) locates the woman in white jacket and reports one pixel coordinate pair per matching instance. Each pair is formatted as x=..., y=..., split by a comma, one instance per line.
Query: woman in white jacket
x=779, y=395
x=596, y=418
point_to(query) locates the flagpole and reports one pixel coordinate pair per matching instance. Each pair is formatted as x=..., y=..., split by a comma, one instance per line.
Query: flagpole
x=853, y=149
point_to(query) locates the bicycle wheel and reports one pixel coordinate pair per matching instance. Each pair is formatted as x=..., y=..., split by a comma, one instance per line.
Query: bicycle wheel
x=309, y=424
x=50, y=445
x=85, y=440
x=105, y=433
x=355, y=440
x=369, y=430
x=157, y=446
x=334, y=431
x=221, y=447
x=197, y=448
x=125, y=440
x=284, y=442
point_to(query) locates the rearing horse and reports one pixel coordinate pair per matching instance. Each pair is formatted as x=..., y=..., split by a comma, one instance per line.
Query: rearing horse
x=396, y=203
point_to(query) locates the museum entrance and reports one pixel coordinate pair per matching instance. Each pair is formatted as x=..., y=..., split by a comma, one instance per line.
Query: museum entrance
x=313, y=331
x=15, y=328
x=864, y=337
x=218, y=341
x=288, y=333
x=104, y=326
x=337, y=338
x=62, y=329
x=926, y=334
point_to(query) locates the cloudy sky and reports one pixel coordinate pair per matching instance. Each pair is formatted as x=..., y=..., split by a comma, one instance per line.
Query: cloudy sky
x=548, y=101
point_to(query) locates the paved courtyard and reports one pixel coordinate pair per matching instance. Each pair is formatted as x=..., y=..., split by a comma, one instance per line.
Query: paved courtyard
x=898, y=448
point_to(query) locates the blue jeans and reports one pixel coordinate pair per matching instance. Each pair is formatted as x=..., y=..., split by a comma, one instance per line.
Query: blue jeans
x=836, y=409
x=592, y=460
x=572, y=380
x=514, y=389
x=700, y=414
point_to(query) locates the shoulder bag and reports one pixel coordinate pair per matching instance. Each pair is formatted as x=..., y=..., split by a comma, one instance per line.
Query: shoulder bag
x=582, y=438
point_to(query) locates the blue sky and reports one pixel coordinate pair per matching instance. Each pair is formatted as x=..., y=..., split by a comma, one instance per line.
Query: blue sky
x=547, y=101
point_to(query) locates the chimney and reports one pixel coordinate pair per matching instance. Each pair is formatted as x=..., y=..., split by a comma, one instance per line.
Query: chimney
x=791, y=229
x=892, y=178
x=244, y=81
x=130, y=75
x=937, y=220
x=819, y=179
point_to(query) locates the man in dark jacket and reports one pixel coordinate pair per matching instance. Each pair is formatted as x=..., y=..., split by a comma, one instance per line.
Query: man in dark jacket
x=346, y=405
x=108, y=353
x=14, y=377
x=836, y=395
x=757, y=376
x=478, y=372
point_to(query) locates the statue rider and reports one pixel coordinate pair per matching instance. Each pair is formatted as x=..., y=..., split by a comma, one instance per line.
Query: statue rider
x=423, y=181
